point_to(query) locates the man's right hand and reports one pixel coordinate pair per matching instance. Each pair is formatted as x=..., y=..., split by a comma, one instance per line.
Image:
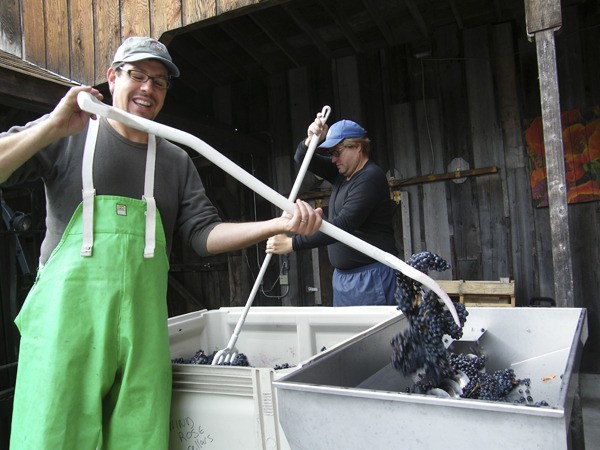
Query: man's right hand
x=67, y=117
x=317, y=127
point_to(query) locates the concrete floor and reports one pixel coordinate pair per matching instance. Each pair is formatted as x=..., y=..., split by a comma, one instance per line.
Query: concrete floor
x=590, y=403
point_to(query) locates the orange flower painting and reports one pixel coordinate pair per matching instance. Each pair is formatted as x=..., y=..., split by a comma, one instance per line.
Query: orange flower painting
x=581, y=147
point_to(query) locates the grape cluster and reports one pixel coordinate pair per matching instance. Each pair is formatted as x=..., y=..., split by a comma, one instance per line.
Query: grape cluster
x=427, y=261
x=282, y=366
x=200, y=357
x=421, y=346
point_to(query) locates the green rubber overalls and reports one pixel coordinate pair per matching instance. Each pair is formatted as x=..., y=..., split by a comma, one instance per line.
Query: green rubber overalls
x=94, y=368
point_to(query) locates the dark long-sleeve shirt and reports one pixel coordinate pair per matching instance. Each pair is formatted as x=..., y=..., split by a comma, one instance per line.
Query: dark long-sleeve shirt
x=361, y=206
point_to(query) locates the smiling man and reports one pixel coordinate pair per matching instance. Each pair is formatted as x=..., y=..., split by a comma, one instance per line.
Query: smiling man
x=359, y=204
x=94, y=367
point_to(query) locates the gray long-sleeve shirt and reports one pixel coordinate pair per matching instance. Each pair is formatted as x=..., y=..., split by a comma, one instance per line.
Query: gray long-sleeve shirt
x=119, y=166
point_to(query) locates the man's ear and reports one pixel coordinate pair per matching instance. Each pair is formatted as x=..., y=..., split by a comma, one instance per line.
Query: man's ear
x=111, y=74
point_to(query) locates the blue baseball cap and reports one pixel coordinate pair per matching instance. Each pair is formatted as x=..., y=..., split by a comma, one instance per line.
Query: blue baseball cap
x=341, y=130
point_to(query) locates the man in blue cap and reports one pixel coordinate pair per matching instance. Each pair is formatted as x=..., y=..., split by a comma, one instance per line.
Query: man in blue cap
x=359, y=204
x=94, y=366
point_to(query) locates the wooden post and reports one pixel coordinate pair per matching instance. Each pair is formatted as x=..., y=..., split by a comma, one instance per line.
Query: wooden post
x=543, y=17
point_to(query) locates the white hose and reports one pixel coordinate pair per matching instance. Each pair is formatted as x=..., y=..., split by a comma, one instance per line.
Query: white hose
x=92, y=105
x=226, y=354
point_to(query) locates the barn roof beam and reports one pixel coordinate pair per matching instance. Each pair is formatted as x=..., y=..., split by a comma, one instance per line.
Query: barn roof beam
x=308, y=29
x=243, y=42
x=343, y=25
x=416, y=15
x=381, y=25
x=279, y=41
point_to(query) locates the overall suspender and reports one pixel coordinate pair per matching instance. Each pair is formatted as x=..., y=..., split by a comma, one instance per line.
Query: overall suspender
x=89, y=192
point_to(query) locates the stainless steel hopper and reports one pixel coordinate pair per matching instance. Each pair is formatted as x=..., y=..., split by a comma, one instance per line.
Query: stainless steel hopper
x=351, y=397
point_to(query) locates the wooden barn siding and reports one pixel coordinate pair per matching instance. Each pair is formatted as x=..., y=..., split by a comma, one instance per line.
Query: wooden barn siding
x=493, y=230
x=477, y=99
x=78, y=38
x=584, y=218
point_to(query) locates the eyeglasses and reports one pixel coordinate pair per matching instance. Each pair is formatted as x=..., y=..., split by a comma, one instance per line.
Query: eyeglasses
x=141, y=77
x=337, y=151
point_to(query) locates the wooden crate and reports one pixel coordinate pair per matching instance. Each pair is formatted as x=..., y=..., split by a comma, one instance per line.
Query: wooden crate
x=480, y=293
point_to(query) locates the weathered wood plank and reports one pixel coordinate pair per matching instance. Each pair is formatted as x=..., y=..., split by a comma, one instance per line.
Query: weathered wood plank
x=590, y=36
x=405, y=157
x=108, y=37
x=34, y=29
x=224, y=6
x=10, y=27
x=464, y=229
x=135, y=18
x=583, y=217
x=487, y=151
x=348, y=90
x=570, y=71
x=517, y=165
x=435, y=208
x=57, y=37
x=165, y=16
x=194, y=11
x=82, y=41
x=406, y=227
x=555, y=166
x=374, y=90
x=542, y=15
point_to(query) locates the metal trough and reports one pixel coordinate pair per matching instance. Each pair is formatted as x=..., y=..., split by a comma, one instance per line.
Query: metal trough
x=351, y=397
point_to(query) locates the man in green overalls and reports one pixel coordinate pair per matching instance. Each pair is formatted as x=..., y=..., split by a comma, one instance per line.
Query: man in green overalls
x=94, y=366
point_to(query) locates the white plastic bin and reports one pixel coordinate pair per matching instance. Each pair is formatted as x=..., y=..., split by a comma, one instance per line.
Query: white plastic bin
x=224, y=407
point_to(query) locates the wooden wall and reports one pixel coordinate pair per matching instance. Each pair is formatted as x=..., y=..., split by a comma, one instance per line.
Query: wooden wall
x=470, y=99
x=65, y=43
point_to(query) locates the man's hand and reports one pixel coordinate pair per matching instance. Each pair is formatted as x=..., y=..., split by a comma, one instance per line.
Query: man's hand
x=317, y=127
x=67, y=117
x=280, y=244
x=305, y=219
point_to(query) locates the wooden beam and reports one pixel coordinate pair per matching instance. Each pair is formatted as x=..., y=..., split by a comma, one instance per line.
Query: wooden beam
x=381, y=25
x=279, y=41
x=34, y=39
x=543, y=17
x=456, y=14
x=10, y=26
x=416, y=14
x=555, y=169
x=343, y=25
x=28, y=93
x=443, y=176
x=248, y=47
x=397, y=184
x=308, y=29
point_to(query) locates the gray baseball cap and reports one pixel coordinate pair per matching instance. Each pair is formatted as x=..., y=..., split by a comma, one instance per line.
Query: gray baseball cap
x=137, y=48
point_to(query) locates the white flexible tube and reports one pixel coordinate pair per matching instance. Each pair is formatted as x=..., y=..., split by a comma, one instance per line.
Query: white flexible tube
x=92, y=105
x=225, y=354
